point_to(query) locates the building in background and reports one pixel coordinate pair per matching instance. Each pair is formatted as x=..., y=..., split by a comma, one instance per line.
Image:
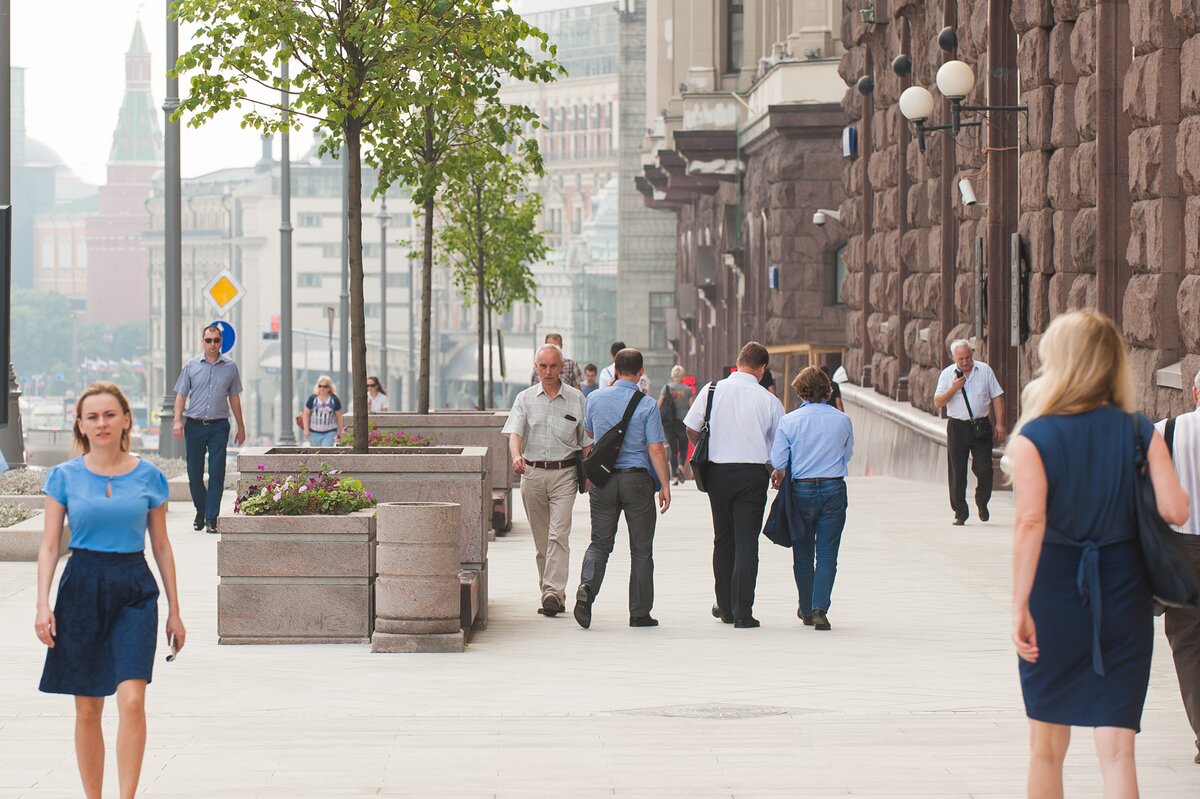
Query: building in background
x=741, y=146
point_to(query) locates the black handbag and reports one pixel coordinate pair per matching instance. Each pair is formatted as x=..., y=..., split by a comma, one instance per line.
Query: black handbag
x=699, y=459
x=599, y=465
x=1168, y=566
x=981, y=426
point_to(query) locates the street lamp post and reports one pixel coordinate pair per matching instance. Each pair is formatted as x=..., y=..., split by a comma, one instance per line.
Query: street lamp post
x=412, y=352
x=383, y=287
x=168, y=447
x=329, y=312
x=12, y=443
x=286, y=379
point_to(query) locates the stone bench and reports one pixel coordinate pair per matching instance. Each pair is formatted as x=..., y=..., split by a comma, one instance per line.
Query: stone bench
x=21, y=541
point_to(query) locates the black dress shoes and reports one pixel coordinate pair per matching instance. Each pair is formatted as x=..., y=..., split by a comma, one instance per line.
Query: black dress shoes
x=983, y=513
x=725, y=617
x=198, y=522
x=747, y=623
x=820, y=620
x=211, y=527
x=807, y=618
x=959, y=521
x=642, y=621
x=583, y=607
x=551, y=605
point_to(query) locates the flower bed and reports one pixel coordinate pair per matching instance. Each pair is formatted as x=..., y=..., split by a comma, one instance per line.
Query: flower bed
x=307, y=493
x=385, y=438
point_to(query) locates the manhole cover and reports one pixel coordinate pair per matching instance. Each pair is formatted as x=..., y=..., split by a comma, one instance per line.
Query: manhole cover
x=712, y=711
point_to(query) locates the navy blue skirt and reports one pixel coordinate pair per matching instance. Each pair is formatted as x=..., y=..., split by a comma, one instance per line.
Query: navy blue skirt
x=1063, y=687
x=107, y=619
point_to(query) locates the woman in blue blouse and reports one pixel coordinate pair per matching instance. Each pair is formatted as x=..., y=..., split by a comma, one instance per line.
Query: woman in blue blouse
x=101, y=633
x=1082, y=610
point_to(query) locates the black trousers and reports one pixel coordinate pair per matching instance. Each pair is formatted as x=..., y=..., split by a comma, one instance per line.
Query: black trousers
x=737, y=494
x=677, y=440
x=1183, y=633
x=962, y=441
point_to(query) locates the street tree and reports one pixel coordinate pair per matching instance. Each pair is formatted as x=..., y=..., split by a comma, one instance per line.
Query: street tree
x=362, y=72
x=488, y=236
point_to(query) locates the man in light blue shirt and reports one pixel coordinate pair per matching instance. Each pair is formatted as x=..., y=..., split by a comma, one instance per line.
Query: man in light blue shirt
x=816, y=440
x=640, y=469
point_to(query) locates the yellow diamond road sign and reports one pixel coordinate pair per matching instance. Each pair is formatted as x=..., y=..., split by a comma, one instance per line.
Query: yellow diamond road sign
x=223, y=291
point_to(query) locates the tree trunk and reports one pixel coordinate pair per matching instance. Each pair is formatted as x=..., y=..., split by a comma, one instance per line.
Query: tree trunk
x=480, y=305
x=426, y=278
x=358, y=323
x=491, y=392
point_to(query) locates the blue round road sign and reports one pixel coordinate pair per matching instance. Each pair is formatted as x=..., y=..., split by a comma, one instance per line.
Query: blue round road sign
x=228, y=336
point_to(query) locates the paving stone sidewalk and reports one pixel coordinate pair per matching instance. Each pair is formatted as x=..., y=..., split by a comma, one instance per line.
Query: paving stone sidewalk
x=913, y=694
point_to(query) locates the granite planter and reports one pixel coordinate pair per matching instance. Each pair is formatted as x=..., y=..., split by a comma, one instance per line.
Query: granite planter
x=468, y=429
x=417, y=592
x=21, y=541
x=407, y=474
x=296, y=579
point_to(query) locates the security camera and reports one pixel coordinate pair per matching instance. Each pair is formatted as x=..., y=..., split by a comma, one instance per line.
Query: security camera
x=823, y=215
x=968, y=192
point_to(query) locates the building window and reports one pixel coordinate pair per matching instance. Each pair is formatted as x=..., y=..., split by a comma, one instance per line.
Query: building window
x=397, y=281
x=735, y=35
x=308, y=220
x=331, y=250
x=660, y=301
x=307, y=280
x=838, y=276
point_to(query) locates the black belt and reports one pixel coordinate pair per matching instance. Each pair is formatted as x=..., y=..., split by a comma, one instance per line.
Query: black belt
x=204, y=421
x=815, y=479
x=968, y=421
x=630, y=470
x=553, y=464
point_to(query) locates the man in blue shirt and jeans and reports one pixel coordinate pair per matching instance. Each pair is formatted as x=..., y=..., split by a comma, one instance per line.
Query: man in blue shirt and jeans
x=641, y=468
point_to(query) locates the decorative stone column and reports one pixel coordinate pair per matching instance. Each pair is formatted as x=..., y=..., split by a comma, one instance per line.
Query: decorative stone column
x=417, y=590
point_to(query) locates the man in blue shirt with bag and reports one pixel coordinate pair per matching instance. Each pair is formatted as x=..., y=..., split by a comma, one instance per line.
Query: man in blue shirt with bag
x=640, y=470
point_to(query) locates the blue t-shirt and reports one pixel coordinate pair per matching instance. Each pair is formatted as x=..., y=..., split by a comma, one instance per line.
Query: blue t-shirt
x=102, y=523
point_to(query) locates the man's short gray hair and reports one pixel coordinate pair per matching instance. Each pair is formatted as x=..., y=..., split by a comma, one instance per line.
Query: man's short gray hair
x=959, y=343
x=545, y=347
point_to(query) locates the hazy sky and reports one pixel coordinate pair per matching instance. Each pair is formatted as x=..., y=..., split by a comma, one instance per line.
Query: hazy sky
x=74, y=58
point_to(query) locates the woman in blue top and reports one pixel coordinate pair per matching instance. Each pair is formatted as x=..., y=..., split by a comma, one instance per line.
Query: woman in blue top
x=1082, y=610
x=101, y=633
x=323, y=417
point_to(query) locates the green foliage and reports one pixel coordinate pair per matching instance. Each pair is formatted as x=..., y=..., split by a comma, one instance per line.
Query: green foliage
x=304, y=494
x=376, y=438
x=12, y=514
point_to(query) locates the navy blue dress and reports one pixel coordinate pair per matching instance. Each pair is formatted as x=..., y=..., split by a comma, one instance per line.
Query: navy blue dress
x=1090, y=600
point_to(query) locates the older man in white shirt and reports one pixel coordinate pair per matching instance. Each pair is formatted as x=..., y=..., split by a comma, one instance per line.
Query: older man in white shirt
x=1182, y=435
x=742, y=426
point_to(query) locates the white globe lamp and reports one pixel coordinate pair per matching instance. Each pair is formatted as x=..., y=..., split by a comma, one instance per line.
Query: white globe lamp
x=955, y=80
x=916, y=103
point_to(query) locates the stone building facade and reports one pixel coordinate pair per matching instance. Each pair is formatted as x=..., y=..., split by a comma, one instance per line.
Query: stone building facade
x=1099, y=178
x=743, y=147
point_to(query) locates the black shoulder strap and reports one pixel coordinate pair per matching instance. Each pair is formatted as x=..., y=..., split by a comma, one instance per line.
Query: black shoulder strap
x=712, y=389
x=1139, y=451
x=1169, y=436
x=630, y=408
x=970, y=412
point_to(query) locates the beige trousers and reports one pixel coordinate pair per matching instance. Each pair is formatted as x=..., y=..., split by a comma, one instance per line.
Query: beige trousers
x=549, y=497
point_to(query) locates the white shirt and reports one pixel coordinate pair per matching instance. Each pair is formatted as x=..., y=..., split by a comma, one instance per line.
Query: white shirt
x=608, y=376
x=982, y=387
x=744, y=419
x=377, y=403
x=1186, y=454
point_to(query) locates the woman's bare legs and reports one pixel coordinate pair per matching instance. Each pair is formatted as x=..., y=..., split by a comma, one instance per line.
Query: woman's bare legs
x=89, y=743
x=1114, y=747
x=131, y=735
x=1047, y=749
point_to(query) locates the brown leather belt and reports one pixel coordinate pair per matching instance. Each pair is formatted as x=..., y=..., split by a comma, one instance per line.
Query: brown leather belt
x=553, y=464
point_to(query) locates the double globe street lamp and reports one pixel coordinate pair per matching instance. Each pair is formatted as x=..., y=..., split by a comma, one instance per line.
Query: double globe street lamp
x=955, y=80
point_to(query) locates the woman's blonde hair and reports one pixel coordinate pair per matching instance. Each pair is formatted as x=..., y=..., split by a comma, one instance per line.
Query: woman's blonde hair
x=114, y=390
x=676, y=373
x=324, y=379
x=1083, y=365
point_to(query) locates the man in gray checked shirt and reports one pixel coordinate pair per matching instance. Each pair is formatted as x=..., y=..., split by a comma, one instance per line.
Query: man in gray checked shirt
x=545, y=438
x=207, y=389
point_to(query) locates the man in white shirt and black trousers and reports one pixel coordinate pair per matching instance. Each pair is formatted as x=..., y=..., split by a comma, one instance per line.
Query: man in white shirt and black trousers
x=1183, y=624
x=741, y=428
x=967, y=389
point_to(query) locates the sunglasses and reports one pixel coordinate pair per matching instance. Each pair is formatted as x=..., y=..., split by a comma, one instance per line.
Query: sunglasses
x=324, y=385
x=372, y=385
x=212, y=341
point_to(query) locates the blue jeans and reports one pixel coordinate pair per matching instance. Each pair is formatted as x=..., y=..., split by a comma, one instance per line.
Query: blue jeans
x=325, y=439
x=822, y=507
x=212, y=438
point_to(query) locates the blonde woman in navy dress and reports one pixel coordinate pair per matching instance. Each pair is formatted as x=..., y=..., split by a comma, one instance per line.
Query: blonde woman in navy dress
x=1082, y=610
x=101, y=633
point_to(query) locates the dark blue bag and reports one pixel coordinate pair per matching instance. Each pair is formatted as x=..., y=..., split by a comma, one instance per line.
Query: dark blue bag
x=784, y=517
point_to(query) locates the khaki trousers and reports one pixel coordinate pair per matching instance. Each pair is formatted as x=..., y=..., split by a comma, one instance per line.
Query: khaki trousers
x=549, y=497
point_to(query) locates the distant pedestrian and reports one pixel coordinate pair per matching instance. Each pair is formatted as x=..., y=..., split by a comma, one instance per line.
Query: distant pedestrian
x=967, y=389
x=742, y=426
x=570, y=368
x=100, y=636
x=835, y=398
x=673, y=403
x=1183, y=624
x=608, y=375
x=630, y=490
x=817, y=441
x=1083, y=620
x=376, y=396
x=324, y=419
x=589, y=383
x=205, y=393
x=545, y=440
x=768, y=382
